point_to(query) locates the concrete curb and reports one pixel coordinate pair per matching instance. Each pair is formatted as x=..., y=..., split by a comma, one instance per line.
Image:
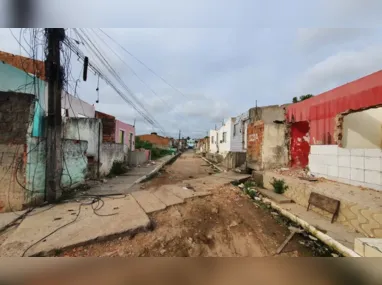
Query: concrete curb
x=156, y=170
x=314, y=231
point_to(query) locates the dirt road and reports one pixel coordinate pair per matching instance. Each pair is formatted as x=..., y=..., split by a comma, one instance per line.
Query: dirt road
x=227, y=223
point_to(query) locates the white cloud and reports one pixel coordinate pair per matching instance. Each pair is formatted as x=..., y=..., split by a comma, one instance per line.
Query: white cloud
x=339, y=69
x=316, y=38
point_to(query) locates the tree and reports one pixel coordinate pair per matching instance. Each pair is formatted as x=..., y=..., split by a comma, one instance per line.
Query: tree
x=302, y=98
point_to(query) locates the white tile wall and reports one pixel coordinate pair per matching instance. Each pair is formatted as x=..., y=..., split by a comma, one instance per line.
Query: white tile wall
x=361, y=167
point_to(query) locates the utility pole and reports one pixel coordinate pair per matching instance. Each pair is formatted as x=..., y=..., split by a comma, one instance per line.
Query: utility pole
x=54, y=75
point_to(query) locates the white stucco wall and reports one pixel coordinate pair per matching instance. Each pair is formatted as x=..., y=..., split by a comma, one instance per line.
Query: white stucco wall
x=360, y=167
x=363, y=129
x=213, y=146
x=238, y=141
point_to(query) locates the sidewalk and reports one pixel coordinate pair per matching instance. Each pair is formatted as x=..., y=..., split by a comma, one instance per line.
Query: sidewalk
x=123, y=184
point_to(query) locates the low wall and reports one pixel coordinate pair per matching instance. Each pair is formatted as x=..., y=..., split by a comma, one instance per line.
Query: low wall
x=84, y=129
x=110, y=152
x=12, y=165
x=138, y=157
x=359, y=209
x=234, y=159
x=214, y=157
x=360, y=167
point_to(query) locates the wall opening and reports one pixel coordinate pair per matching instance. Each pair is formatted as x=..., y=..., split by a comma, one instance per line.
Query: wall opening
x=362, y=129
x=299, y=144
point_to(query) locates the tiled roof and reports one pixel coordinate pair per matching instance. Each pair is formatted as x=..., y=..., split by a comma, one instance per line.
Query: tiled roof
x=36, y=67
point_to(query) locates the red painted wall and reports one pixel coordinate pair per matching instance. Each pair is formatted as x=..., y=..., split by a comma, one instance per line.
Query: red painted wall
x=320, y=111
x=299, y=145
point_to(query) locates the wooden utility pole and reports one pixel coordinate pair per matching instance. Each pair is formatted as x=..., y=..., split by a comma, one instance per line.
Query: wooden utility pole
x=54, y=76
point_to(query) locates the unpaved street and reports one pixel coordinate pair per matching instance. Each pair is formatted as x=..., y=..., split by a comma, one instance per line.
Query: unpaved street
x=226, y=223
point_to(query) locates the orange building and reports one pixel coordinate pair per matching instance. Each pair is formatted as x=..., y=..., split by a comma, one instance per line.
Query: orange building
x=157, y=141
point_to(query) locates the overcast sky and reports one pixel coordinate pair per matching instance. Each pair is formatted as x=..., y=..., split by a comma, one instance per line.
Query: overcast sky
x=219, y=59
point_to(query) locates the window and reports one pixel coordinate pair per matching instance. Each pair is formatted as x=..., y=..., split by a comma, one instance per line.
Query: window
x=235, y=128
x=224, y=137
x=212, y=139
x=121, y=136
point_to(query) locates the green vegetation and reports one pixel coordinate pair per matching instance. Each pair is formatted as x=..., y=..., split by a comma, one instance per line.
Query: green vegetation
x=155, y=152
x=118, y=168
x=302, y=98
x=279, y=185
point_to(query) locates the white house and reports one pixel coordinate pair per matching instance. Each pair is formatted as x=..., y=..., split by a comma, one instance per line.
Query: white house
x=231, y=136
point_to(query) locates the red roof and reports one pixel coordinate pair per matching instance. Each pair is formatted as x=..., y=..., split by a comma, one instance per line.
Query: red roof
x=361, y=93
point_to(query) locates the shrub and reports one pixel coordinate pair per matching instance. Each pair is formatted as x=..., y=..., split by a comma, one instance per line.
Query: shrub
x=279, y=185
x=118, y=168
x=249, y=184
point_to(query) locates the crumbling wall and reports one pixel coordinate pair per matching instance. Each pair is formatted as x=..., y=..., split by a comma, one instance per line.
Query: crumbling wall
x=299, y=144
x=274, y=149
x=255, y=135
x=110, y=152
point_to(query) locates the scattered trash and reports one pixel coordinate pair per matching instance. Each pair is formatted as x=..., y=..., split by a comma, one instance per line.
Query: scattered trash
x=104, y=180
x=335, y=255
x=274, y=213
x=284, y=169
x=241, y=185
x=257, y=199
x=233, y=224
x=162, y=251
x=293, y=231
x=57, y=219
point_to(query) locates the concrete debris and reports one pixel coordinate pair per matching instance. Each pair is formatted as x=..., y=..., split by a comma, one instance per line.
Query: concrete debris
x=233, y=224
x=162, y=251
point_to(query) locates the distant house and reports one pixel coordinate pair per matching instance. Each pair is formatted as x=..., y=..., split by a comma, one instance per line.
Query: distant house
x=116, y=131
x=25, y=75
x=156, y=140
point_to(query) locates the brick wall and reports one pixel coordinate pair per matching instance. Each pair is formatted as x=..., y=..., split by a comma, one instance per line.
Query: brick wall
x=255, y=139
x=156, y=140
x=16, y=116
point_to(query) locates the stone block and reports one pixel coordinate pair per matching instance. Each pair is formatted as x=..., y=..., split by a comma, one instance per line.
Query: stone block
x=373, y=163
x=333, y=171
x=344, y=172
x=372, y=177
x=357, y=175
x=373, y=152
x=344, y=160
x=357, y=162
x=357, y=152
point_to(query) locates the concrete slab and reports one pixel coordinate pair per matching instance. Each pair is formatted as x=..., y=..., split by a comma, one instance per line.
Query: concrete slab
x=166, y=196
x=278, y=198
x=128, y=217
x=6, y=218
x=148, y=201
x=368, y=247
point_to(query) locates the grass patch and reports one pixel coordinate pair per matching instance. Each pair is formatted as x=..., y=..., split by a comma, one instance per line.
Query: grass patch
x=279, y=185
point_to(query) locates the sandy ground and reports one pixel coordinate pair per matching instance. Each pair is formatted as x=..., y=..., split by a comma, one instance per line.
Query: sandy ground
x=226, y=223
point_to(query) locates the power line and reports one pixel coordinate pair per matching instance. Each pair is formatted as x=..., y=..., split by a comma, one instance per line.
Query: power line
x=141, y=62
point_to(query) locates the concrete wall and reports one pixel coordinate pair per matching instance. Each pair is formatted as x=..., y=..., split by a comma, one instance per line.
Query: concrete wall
x=75, y=106
x=225, y=147
x=85, y=129
x=110, y=152
x=234, y=159
x=138, y=157
x=16, y=80
x=12, y=165
x=127, y=129
x=362, y=129
x=267, y=114
x=360, y=167
x=274, y=150
x=213, y=141
x=255, y=145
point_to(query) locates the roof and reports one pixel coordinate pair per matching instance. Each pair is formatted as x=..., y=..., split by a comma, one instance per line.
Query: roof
x=365, y=86
x=32, y=66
